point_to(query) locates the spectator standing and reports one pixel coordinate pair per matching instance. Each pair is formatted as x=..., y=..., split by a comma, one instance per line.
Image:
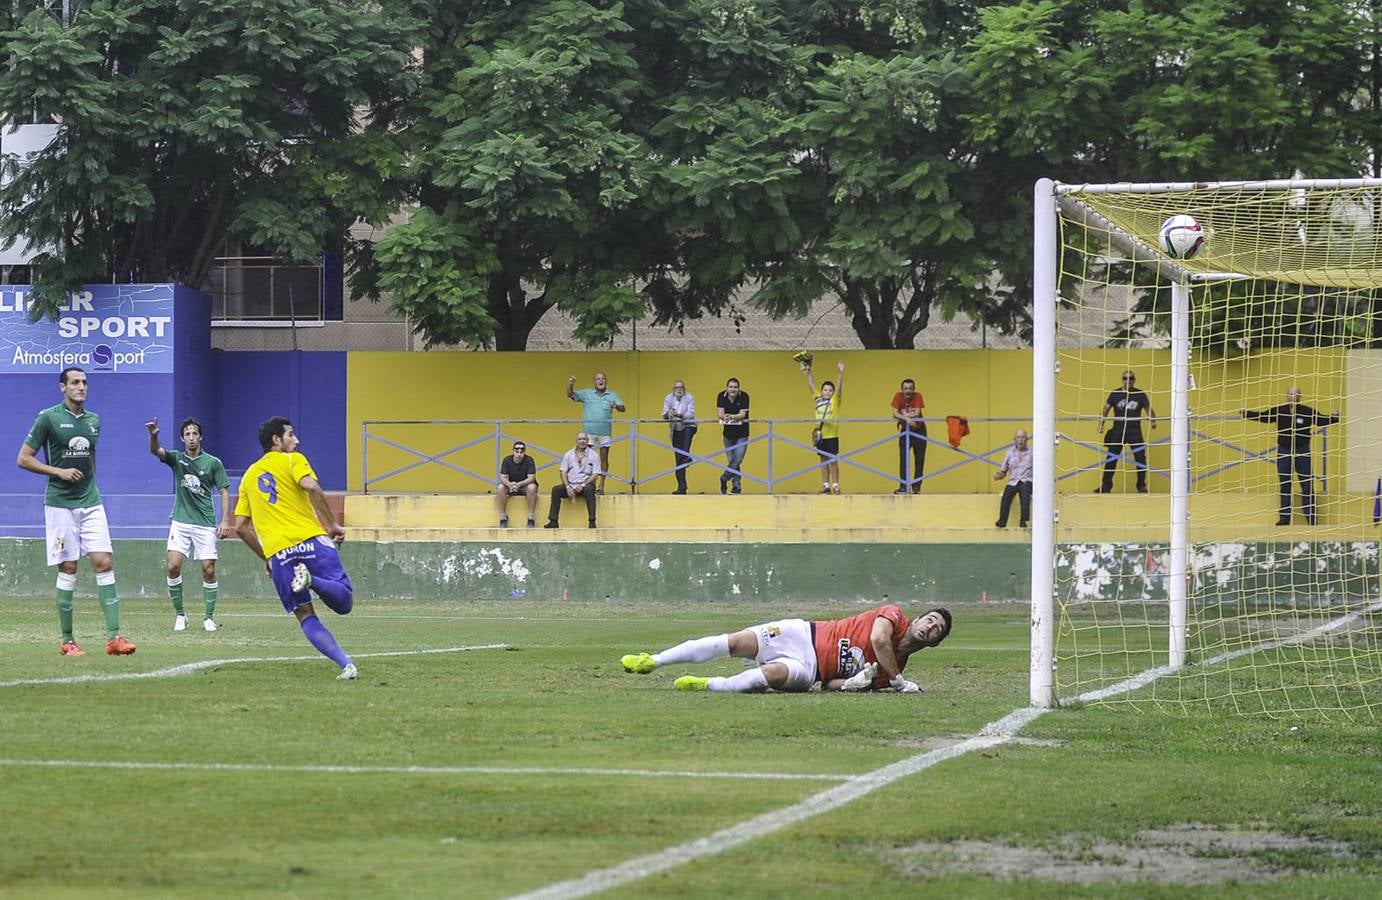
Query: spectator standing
x=1127, y=406
x=598, y=405
x=826, y=435
x=679, y=409
x=732, y=406
x=1293, y=421
x=1017, y=468
x=579, y=466
x=517, y=477
x=906, y=410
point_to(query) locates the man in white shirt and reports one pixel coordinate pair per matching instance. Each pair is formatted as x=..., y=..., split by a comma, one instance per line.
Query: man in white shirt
x=1017, y=468
x=579, y=466
x=679, y=409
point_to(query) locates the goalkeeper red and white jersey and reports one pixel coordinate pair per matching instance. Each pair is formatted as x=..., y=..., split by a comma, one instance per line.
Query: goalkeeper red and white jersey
x=843, y=646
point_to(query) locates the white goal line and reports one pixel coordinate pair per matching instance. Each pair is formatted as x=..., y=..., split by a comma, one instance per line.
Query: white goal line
x=134, y=766
x=991, y=735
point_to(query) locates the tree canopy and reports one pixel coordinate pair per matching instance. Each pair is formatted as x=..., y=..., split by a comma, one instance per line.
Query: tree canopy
x=620, y=158
x=184, y=121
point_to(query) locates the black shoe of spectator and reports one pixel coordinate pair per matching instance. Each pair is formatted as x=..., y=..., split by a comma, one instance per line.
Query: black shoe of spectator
x=1023, y=525
x=503, y=521
x=737, y=490
x=724, y=486
x=592, y=524
x=1142, y=489
x=902, y=490
x=551, y=523
x=679, y=490
x=1000, y=524
x=532, y=523
x=1283, y=521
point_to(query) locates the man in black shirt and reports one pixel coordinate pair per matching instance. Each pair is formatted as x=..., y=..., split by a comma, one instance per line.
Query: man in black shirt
x=1293, y=421
x=517, y=477
x=1127, y=405
x=732, y=406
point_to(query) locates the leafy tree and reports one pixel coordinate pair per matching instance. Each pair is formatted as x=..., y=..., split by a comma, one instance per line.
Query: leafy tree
x=1211, y=90
x=182, y=122
x=529, y=169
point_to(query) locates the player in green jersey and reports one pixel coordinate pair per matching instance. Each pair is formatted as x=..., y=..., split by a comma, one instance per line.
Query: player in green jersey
x=74, y=519
x=197, y=475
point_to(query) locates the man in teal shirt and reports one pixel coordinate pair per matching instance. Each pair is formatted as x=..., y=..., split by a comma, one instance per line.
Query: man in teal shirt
x=74, y=520
x=598, y=405
x=197, y=475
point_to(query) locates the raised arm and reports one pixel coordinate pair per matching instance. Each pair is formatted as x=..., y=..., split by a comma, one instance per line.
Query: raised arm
x=154, y=448
x=571, y=388
x=840, y=378
x=810, y=379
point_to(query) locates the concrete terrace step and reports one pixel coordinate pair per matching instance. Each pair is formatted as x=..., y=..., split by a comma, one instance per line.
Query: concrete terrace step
x=860, y=518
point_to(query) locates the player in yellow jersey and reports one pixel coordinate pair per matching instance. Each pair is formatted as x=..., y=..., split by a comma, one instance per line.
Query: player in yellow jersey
x=283, y=516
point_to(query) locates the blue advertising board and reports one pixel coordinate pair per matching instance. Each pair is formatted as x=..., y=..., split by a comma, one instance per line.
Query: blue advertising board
x=125, y=328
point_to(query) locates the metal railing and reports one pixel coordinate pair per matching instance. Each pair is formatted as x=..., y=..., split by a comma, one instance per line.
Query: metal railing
x=781, y=440
x=260, y=287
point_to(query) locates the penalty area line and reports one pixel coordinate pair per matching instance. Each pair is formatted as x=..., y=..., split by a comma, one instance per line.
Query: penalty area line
x=189, y=668
x=410, y=770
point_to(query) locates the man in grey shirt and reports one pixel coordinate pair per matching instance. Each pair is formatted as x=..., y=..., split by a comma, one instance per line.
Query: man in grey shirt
x=1017, y=468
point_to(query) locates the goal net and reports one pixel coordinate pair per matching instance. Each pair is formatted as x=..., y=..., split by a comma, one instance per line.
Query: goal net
x=1206, y=518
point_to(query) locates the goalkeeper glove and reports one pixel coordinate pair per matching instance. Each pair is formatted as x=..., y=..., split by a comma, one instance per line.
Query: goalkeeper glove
x=861, y=680
x=903, y=686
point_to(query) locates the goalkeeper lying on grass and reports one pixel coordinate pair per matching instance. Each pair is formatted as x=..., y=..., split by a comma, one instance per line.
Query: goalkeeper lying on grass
x=866, y=651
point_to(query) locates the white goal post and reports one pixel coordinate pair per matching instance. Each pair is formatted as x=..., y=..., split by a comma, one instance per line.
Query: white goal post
x=1186, y=572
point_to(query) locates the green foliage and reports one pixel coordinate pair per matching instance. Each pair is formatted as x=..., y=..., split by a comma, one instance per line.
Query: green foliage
x=187, y=122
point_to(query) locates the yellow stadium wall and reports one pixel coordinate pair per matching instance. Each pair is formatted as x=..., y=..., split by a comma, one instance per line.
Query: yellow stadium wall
x=985, y=385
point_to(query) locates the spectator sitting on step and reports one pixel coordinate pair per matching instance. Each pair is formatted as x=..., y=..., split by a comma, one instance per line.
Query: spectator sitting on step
x=517, y=476
x=579, y=466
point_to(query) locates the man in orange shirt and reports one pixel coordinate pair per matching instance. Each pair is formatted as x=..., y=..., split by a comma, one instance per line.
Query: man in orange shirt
x=866, y=651
x=906, y=409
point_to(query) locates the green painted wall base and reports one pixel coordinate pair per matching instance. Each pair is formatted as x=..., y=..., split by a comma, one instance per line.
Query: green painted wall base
x=928, y=573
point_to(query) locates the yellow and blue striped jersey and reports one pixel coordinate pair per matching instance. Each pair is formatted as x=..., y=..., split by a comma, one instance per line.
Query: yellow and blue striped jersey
x=272, y=496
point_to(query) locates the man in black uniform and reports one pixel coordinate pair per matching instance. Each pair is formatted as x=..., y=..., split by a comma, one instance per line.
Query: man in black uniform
x=1293, y=421
x=1127, y=405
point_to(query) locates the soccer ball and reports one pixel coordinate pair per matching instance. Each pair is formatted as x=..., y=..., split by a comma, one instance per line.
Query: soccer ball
x=1181, y=237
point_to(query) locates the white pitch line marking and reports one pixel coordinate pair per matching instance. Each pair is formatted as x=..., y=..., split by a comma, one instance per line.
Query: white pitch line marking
x=413, y=770
x=991, y=735
x=189, y=668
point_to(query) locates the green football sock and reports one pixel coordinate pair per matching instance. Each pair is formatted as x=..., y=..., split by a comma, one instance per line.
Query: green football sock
x=110, y=606
x=65, y=613
x=209, y=593
x=175, y=593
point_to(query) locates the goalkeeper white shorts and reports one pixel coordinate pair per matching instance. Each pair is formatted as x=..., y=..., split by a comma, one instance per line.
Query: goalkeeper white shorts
x=788, y=641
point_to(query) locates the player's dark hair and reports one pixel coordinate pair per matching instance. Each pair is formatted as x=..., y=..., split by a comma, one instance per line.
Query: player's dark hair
x=62, y=376
x=907, y=381
x=190, y=421
x=728, y=380
x=944, y=614
x=270, y=430
x=831, y=383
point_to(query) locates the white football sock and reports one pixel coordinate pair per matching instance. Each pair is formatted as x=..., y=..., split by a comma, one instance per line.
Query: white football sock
x=697, y=650
x=743, y=683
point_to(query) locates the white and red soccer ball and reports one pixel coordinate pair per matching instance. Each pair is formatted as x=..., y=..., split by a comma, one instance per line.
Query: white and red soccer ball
x=1181, y=237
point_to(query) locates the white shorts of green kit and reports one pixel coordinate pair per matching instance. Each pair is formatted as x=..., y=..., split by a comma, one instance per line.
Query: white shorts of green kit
x=192, y=541
x=788, y=641
x=74, y=533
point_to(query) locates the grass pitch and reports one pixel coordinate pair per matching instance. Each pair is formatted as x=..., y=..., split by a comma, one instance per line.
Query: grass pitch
x=494, y=772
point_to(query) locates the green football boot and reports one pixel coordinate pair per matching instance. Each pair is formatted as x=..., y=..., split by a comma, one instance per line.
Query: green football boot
x=638, y=663
x=692, y=683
